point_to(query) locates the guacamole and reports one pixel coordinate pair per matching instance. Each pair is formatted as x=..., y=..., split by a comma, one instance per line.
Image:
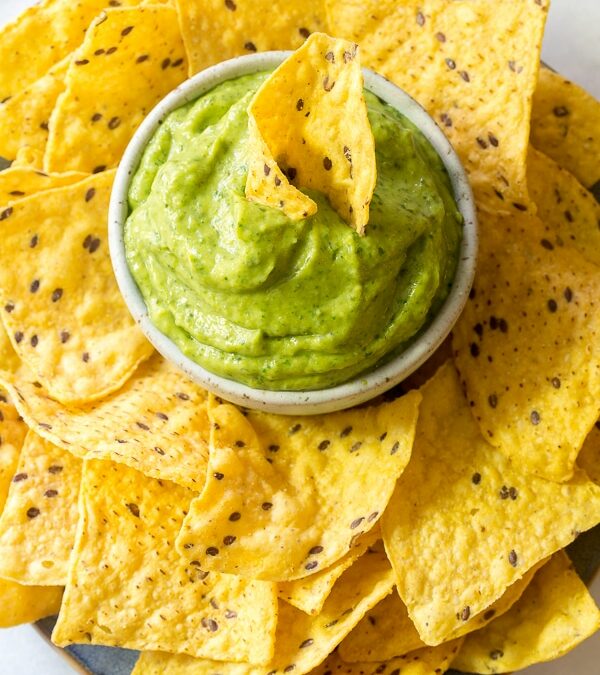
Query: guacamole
x=280, y=304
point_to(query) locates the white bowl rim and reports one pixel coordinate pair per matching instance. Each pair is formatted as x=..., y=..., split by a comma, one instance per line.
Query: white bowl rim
x=363, y=387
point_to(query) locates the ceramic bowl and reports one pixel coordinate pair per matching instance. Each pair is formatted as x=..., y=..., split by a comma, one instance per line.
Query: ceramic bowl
x=360, y=388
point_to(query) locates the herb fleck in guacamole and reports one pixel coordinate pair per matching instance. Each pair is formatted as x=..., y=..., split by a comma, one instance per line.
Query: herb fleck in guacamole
x=274, y=303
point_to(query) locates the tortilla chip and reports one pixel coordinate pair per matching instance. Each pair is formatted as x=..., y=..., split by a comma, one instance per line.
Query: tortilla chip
x=244, y=27
x=526, y=346
x=37, y=527
x=266, y=182
x=156, y=422
x=589, y=457
x=427, y=661
x=458, y=497
x=128, y=587
x=302, y=642
x=12, y=434
x=286, y=497
x=387, y=631
x=553, y=616
x=309, y=594
x=25, y=604
x=570, y=213
x=19, y=182
x=43, y=35
x=98, y=112
x=464, y=62
x=25, y=116
x=565, y=125
x=312, y=115
x=64, y=311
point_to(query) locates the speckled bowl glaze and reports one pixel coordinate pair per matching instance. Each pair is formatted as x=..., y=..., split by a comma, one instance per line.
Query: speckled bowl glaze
x=358, y=389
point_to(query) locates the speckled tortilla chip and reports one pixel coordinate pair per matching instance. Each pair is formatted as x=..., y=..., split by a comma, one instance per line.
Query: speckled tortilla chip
x=156, y=423
x=311, y=114
x=98, y=112
x=128, y=587
x=25, y=604
x=25, y=116
x=244, y=27
x=309, y=594
x=570, y=213
x=472, y=65
x=12, y=432
x=37, y=527
x=565, y=125
x=589, y=457
x=63, y=310
x=43, y=35
x=427, y=661
x=491, y=521
x=302, y=642
x=386, y=631
x=286, y=497
x=552, y=617
x=19, y=182
x=526, y=346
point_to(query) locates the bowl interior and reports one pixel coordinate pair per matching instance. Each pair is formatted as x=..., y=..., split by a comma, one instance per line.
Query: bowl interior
x=354, y=391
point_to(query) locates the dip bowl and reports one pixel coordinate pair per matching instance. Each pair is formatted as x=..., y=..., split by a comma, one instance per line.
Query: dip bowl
x=362, y=387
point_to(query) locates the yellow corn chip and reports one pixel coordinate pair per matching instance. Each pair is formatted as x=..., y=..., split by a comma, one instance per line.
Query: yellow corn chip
x=387, y=631
x=19, y=182
x=464, y=523
x=63, y=310
x=427, y=661
x=98, y=113
x=552, y=617
x=570, y=213
x=302, y=642
x=25, y=116
x=589, y=457
x=565, y=125
x=24, y=604
x=312, y=115
x=244, y=27
x=527, y=347
x=12, y=434
x=266, y=182
x=128, y=586
x=286, y=497
x=156, y=423
x=309, y=594
x=43, y=35
x=37, y=527
x=464, y=62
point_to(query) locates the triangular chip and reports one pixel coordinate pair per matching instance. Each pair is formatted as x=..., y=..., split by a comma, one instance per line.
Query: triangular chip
x=565, y=125
x=156, y=422
x=286, y=497
x=302, y=642
x=526, y=346
x=312, y=116
x=464, y=522
x=387, y=631
x=98, y=112
x=63, y=310
x=309, y=594
x=37, y=527
x=25, y=116
x=241, y=27
x=552, y=617
x=18, y=182
x=463, y=61
x=128, y=586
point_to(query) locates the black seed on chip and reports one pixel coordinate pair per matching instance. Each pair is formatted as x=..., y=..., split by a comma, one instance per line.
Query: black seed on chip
x=64, y=336
x=465, y=614
x=94, y=245
x=277, y=182
x=299, y=104
x=228, y=540
x=8, y=307
x=512, y=558
x=355, y=523
x=346, y=431
x=6, y=213
x=230, y=4
x=304, y=32
x=476, y=478
x=141, y=59
x=555, y=382
x=315, y=550
x=307, y=643
x=54, y=469
x=18, y=477
x=327, y=164
x=547, y=244
x=85, y=357
x=35, y=284
x=294, y=429
x=126, y=30
x=182, y=396
x=33, y=241
x=212, y=550
x=420, y=19
x=177, y=63
x=395, y=448
x=218, y=475
x=266, y=506
x=99, y=169
x=18, y=336
x=311, y=565
x=323, y=445
x=165, y=63
x=568, y=294
x=552, y=305
x=358, y=445
x=492, y=400
x=451, y=64
x=240, y=444
x=474, y=349
x=288, y=669
x=50, y=493
x=273, y=447
x=114, y=122
x=133, y=509
x=534, y=417
x=266, y=169
x=249, y=46
x=560, y=111
x=372, y=516
x=34, y=341
x=96, y=117
x=496, y=654
x=465, y=75
x=236, y=515
x=33, y=512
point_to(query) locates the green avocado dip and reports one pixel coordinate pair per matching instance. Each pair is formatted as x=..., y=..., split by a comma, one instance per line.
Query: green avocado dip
x=280, y=304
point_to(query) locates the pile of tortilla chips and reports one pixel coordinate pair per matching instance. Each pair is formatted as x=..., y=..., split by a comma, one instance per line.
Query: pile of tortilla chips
x=419, y=532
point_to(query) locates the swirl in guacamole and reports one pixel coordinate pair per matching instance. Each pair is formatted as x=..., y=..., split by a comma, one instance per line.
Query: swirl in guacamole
x=280, y=304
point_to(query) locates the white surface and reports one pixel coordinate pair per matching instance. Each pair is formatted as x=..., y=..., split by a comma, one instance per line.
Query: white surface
x=571, y=47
